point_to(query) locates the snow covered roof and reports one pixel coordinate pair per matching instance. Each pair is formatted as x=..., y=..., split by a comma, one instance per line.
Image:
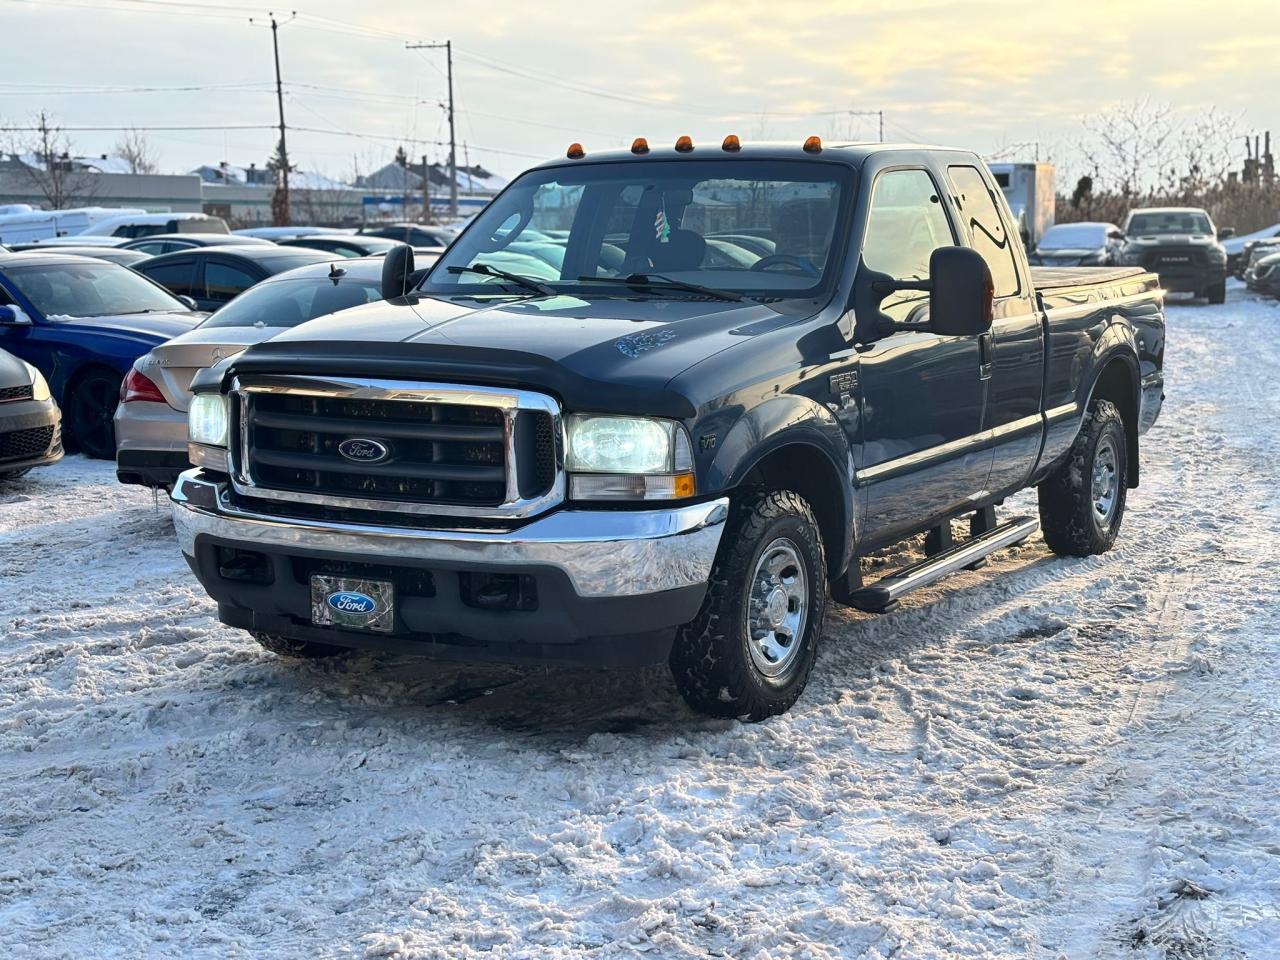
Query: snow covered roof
x=262, y=177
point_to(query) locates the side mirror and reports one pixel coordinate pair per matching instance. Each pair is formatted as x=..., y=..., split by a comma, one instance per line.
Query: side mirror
x=1225, y=232
x=191, y=304
x=1115, y=235
x=14, y=316
x=961, y=292
x=397, y=265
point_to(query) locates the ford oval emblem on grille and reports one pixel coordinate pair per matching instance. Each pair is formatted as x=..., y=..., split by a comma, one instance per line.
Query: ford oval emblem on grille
x=360, y=450
x=350, y=602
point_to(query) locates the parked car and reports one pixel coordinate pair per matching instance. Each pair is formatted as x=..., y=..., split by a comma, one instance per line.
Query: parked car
x=133, y=225
x=276, y=234
x=1182, y=246
x=23, y=223
x=160, y=243
x=151, y=421
x=1264, y=275
x=1254, y=251
x=213, y=276
x=1238, y=248
x=54, y=243
x=82, y=323
x=1083, y=244
x=30, y=422
x=673, y=465
x=126, y=258
x=343, y=244
x=419, y=234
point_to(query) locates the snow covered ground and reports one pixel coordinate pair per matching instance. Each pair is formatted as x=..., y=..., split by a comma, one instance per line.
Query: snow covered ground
x=1046, y=758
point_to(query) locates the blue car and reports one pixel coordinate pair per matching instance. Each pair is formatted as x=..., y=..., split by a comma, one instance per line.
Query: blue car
x=82, y=323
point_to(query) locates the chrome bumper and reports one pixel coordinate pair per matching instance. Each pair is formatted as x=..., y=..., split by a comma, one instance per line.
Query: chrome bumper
x=604, y=553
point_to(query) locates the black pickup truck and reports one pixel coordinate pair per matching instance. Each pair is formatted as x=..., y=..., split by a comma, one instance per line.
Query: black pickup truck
x=655, y=405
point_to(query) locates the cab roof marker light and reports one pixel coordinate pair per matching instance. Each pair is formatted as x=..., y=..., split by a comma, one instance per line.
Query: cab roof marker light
x=813, y=144
x=639, y=145
x=575, y=151
x=684, y=145
x=731, y=143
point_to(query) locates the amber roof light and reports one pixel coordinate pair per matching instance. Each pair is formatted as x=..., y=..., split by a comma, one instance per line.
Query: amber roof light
x=813, y=145
x=575, y=151
x=639, y=145
x=684, y=145
x=731, y=143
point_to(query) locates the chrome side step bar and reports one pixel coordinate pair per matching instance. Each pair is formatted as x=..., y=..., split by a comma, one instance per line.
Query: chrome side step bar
x=883, y=595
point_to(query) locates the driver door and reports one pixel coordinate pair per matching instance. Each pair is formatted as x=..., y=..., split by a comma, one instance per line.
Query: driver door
x=923, y=396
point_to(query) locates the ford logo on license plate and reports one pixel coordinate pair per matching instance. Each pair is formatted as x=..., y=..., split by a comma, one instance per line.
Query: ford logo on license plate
x=361, y=450
x=352, y=602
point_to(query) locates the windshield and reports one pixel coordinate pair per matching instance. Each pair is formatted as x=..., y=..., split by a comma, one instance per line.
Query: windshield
x=99, y=289
x=1174, y=221
x=287, y=303
x=762, y=228
x=1074, y=235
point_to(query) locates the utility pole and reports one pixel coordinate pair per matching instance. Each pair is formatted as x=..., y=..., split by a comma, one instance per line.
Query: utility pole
x=280, y=201
x=426, y=191
x=880, y=113
x=453, y=140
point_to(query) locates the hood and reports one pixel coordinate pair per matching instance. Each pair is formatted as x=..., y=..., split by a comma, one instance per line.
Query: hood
x=171, y=365
x=13, y=372
x=152, y=327
x=1069, y=251
x=597, y=353
x=1174, y=239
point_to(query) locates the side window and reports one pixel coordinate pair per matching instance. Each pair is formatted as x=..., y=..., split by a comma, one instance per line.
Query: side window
x=905, y=224
x=222, y=281
x=152, y=248
x=176, y=276
x=986, y=226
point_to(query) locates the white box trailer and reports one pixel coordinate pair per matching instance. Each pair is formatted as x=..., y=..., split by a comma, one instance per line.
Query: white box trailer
x=1031, y=191
x=27, y=226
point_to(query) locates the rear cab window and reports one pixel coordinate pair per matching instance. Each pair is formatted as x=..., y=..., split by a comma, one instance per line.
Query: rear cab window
x=986, y=228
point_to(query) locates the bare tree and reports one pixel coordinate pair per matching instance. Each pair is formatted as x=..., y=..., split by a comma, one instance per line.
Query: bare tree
x=1126, y=147
x=136, y=150
x=59, y=179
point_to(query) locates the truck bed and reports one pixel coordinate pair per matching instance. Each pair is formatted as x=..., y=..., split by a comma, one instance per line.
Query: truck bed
x=1057, y=278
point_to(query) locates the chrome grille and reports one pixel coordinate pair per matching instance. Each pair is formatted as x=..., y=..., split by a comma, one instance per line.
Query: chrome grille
x=436, y=448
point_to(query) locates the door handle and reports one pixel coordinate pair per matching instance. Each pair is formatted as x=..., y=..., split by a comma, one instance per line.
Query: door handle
x=986, y=355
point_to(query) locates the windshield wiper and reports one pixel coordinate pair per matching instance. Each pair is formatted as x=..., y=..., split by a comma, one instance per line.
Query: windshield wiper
x=529, y=283
x=661, y=282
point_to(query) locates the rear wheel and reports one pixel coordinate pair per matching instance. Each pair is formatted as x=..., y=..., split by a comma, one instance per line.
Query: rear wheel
x=1082, y=502
x=1217, y=293
x=88, y=413
x=297, y=649
x=749, y=652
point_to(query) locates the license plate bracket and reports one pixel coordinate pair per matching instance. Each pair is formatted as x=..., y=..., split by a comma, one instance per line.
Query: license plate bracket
x=353, y=603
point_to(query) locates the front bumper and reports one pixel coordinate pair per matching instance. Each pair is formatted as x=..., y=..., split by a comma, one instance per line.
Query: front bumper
x=21, y=423
x=598, y=577
x=151, y=443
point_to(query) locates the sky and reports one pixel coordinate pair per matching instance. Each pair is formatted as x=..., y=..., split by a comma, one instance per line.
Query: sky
x=1002, y=78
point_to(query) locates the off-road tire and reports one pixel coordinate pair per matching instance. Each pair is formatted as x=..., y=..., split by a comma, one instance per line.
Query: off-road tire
x=1068, y=518
x=1217, y=293
x=297, y=649
x=710, y=661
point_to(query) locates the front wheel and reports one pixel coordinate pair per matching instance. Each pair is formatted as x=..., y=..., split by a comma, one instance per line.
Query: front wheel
x=89, y=410
x=1217, y=293
x=1082, y=502
x=749, y=652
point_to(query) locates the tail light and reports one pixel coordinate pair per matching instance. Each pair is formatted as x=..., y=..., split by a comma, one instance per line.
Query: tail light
x=136, y=386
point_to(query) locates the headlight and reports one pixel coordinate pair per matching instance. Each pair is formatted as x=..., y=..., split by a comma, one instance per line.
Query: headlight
x=207, y=420
x=1131, y=258
x=628, y=458
x=39, y=387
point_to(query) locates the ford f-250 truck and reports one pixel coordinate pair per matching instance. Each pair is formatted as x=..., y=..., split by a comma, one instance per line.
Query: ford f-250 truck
x=655, y=405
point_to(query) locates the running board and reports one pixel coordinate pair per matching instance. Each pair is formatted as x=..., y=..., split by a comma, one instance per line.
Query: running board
x=883, y=595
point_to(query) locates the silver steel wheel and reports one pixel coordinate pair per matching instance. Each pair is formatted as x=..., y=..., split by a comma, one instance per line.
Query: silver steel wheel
x=1105, y=485
x=777, y=608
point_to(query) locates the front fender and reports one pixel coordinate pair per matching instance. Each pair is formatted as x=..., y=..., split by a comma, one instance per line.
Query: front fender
x=784, y=421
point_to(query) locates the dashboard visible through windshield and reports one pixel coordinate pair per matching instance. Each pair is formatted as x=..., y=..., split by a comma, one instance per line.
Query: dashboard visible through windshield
x=741, y=228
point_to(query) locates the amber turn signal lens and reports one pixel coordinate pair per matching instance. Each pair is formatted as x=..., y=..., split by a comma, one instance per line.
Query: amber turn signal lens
x=639, y=145
x=575, y=151
x=813, y=145
x=731, y=143
x=683, y=485
x=684, y=145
